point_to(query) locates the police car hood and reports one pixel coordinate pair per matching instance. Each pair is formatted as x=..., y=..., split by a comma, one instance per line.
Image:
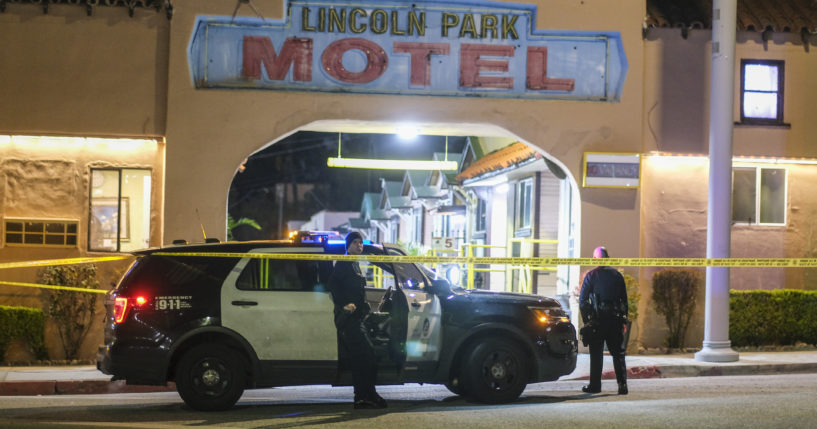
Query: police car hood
x=510, y=297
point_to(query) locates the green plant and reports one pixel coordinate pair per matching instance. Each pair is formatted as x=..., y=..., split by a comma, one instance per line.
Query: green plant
x=633, y=296
x=412, y=248
x=675, y=293
x=772, y=317
x=72, y=311
x=23, y=323
x=232, y=224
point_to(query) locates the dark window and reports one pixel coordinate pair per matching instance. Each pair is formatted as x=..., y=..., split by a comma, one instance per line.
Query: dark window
x=31, y=232
x=280, y=274
x=481, y=216
x=759, y=195
x=761, y=91
x=160, y=275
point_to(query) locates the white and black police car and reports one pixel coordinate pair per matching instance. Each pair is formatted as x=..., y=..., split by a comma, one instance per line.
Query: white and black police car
x=218, y=325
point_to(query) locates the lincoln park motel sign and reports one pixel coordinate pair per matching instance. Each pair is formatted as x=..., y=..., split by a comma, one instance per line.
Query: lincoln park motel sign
x=454, y=48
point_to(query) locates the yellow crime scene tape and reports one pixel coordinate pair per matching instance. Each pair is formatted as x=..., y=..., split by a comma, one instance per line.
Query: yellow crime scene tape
x=37, y=285
x=535, y=261
x=56, y=262
x=476, y=260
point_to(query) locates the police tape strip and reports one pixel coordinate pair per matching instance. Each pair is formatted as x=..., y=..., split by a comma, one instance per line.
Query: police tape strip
x=619, y=262
x=535, y=261
x=54, y=262
x=75, y=289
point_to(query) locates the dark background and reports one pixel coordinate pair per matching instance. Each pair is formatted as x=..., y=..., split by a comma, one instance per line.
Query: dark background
x=301, y=159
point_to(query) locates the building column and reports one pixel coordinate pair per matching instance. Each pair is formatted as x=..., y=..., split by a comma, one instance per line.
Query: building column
x=716, y=344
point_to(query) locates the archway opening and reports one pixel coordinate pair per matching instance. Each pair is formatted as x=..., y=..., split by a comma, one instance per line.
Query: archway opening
x=505, y=198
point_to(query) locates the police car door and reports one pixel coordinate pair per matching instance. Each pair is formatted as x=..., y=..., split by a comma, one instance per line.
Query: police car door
x=423, y=339
x=284, y=315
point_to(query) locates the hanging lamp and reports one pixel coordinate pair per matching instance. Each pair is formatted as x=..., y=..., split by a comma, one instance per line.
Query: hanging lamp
x=391, y=164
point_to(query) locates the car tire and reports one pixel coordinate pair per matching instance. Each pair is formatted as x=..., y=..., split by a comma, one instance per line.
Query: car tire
x=211, y=377
x=455, y=386
x=495, y=371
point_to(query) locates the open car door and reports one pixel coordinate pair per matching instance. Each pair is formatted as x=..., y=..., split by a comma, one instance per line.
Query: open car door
x=423, y=324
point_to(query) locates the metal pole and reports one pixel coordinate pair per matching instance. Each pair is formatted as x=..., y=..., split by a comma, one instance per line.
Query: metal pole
x=716, y=344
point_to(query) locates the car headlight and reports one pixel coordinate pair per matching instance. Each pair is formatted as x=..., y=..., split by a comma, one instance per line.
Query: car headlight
x=453, y=274
x=549, y=315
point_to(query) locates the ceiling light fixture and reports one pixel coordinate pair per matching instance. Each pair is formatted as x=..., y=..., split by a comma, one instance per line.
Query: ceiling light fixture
x=391, y=164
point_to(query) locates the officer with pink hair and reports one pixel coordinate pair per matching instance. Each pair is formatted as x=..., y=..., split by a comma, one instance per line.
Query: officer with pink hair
x=603, y=306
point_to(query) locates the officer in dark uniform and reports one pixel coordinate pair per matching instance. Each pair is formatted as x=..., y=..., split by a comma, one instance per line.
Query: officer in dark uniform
x=347, y=285
x=603, y=306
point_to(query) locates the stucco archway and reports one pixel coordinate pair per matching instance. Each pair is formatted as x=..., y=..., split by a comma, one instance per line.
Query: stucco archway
x=569, y=206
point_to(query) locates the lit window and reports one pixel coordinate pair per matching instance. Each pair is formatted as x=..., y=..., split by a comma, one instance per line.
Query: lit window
x=40, y=232
x=759, y=195
x=524, y=194
x=761, y=97
x=120, y=210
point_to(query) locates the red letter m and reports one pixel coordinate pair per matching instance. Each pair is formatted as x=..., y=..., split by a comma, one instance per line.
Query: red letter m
x=260, y=49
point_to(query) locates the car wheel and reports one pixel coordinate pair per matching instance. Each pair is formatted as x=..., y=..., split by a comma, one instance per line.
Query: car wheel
x=454, y=386
x=495, y=371
x=210, y=377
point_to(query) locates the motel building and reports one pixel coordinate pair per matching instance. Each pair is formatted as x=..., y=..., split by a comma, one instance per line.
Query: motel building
x=123, y=124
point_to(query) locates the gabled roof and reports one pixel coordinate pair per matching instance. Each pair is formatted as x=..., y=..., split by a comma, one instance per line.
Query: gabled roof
x=507, y=158
x=370, y=207
x=787, y=16
x=391, y=196
x=413, y=179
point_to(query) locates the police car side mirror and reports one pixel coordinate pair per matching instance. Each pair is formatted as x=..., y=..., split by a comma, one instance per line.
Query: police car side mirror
x=441, y=287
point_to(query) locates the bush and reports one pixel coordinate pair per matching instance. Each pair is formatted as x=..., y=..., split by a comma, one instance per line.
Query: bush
x=772, y=317
x=675, y=293
x=72, y=311
x=23, y=323
x=633, y=297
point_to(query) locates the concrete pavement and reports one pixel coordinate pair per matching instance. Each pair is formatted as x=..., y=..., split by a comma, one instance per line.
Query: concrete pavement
x=51, y=380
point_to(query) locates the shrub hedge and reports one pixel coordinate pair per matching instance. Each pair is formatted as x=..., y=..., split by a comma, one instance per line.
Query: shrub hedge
x=772, y=317
x=23, y=323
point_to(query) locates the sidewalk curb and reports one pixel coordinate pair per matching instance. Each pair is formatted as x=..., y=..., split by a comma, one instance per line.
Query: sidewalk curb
x=679, y=371
x=76, y=387
x=672, y=371
x=102, y=386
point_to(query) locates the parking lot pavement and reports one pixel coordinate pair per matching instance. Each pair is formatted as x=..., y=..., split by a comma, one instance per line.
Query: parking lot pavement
x=51, y=380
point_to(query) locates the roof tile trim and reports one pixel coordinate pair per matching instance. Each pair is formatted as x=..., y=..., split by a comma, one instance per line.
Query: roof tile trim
x=498, y=160
x=786, y=16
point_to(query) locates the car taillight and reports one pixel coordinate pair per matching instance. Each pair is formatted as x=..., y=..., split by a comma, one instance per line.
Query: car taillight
x=122, y=304
x=120, y=308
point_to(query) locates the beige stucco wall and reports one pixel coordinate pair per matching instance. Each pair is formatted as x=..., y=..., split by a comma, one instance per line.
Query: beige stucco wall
x=67, y=74
x=70, y=74
x=674, y=189
x=50, y=179
x=676, y=94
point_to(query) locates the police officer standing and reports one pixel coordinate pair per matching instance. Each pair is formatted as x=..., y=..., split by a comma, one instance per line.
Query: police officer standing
x=603, y=306
x=347, y=285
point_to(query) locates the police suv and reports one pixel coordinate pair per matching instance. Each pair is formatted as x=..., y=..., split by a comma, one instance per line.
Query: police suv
x=217, y=322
